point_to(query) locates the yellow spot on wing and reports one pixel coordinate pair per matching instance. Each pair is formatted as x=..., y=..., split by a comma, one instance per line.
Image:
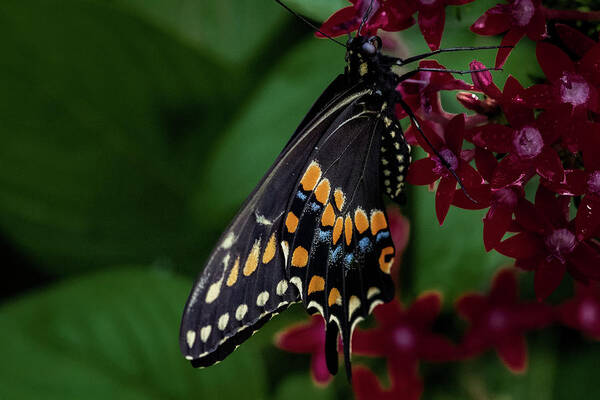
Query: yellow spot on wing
x=339, y=198
x=252, y=260
x=300, y=257
x=328, y=217
x=334, y=297
x=311, y=176
x=378, y=222
x=360, y=220
x=348, y=230
x=383, y=265
x=322, y=191
x=337, y=229
x=233, y=274
x=316, y=284
x=353, y=305
x=291, y=222
x=269, y=250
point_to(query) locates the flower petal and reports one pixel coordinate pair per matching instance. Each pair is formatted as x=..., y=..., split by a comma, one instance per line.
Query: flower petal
x=549, y=166
x=431, y=21
x=548, y=275
x=576, y=41
x=422, y=172
x=496, y=224
x=425, y=308
x=504, y=287
x=511, y=38
x=554, y=61
x=512, y=350
x=318, y=368
x=493, y=22
x=471, y=305
x=522, y=245
x=483, y=80
x=443, y=197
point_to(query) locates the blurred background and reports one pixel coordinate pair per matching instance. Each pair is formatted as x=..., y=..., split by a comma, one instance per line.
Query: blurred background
x=131, y=131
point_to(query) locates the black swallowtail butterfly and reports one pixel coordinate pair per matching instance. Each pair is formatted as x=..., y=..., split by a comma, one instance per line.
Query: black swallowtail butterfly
x=315, y=228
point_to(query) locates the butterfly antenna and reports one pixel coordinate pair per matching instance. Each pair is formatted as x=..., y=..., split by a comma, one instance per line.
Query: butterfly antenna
x=365, y=18
x=307, y=22
x=444, y=162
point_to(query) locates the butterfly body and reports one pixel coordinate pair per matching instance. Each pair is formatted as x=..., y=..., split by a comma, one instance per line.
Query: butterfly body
x=314, y=229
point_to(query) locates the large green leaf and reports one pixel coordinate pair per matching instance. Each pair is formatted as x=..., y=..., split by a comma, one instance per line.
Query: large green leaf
x=233, y=30
x=105, y=122
x=115, y=335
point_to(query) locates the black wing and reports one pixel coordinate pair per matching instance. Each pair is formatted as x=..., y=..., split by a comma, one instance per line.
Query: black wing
x=336, y=240
x=245, y=281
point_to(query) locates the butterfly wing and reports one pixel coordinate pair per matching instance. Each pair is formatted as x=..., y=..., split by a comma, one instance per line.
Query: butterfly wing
x=338, y=245
x=245, y=281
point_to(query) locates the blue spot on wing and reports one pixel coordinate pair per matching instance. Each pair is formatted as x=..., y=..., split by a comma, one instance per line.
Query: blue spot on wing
x=324, y=236
x=365, y=245
x=301, y=195
x=382, y=235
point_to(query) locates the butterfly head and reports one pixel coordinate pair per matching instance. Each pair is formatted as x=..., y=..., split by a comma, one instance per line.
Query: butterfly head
x=362, y=54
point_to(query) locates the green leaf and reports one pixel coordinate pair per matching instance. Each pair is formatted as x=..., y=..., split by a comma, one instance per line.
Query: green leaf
x=115, y=335
x=232, y=30
x=105, y=122
x=317, y=10
x=301, y=387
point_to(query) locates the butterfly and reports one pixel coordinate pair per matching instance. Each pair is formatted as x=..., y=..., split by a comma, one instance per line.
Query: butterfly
x=315, y=229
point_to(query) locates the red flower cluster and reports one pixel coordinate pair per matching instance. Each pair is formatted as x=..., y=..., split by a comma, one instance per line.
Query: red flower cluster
x=541, y=141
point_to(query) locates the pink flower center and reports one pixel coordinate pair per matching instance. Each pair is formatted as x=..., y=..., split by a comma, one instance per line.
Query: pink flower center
x=593, y=182
x=450, y=158
x=588, y=313
x=404, y=338
x=427, y=2
x=574, y=89
x=497, y=320
x=528, y=142
x=560, y=243
x=505, y=196
x=523, y=11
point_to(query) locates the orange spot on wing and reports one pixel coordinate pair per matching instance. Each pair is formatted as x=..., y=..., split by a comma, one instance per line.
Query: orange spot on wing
x=334, y=297
x=328, y=217
x=252, y=261
x=348, y=229
x=300, y=257
x=360, y=220
x=311, y=176
x=322, y=191
x=383, y=265
x=339, y=198
x=337, y=229
x=233, y=274
x=316, y=284
x=269, y=250
x=378, y=222
x=291, y=222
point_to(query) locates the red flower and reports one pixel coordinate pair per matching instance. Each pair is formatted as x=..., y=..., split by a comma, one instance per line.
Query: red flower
x=432, y=17
x=404, y=386
x=404, y=336
x=422, y=93
x=383, y=15
x=428, y=170
x=583, y=311
x=308, y=338
x=528, y=142
x=548, y=244
x=499, y=321
x=517, y=18
x=570, y=83
x=501, y=200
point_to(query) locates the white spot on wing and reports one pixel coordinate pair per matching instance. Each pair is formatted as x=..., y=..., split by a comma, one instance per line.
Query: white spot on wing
x=374, y=304
x=373, y=291
x=260, y=219
x=282, y=287
x=205, y=333
x=190, y=338
x=241, y=311
x=213, y=291
x=223, y=321
x=314, y=304
x=286, y=250
x=262, y=299
x=353, y=305
x=228, y=241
